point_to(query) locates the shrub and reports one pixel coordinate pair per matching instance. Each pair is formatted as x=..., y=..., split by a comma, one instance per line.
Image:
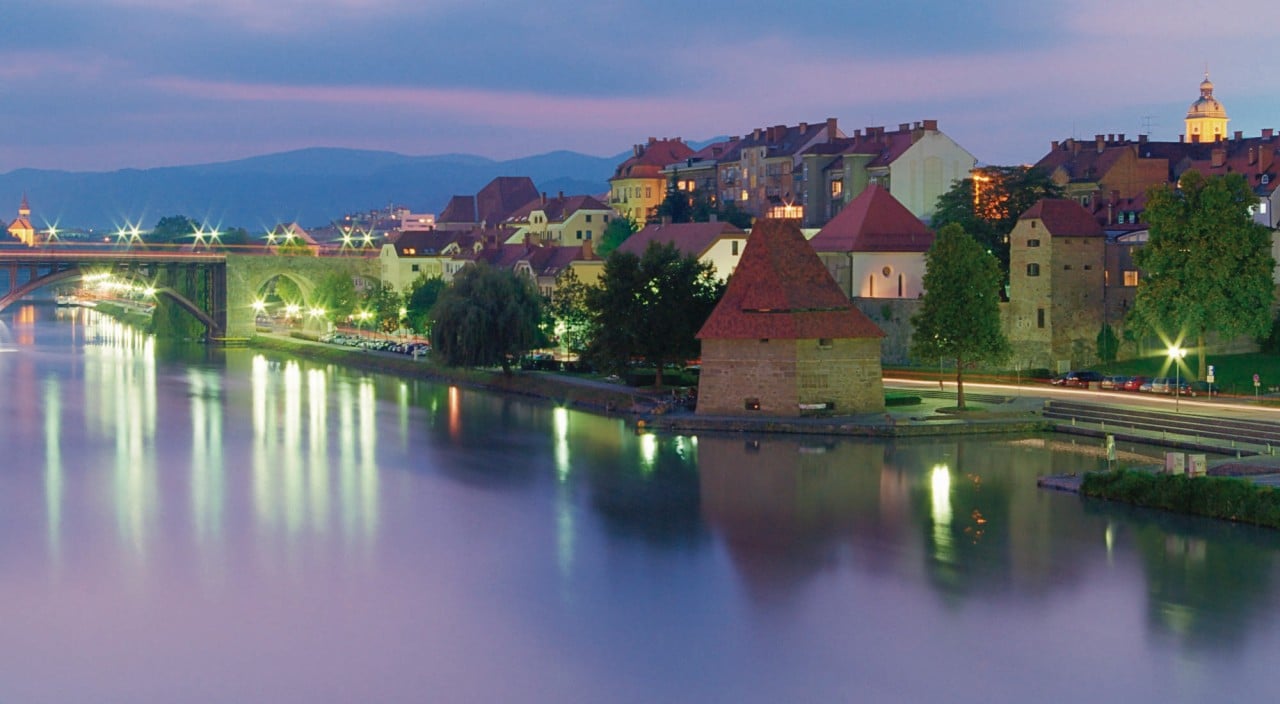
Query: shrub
x=1214, y=497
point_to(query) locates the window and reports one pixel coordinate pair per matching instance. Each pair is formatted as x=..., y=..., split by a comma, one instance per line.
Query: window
x=588, y=217
x=648, y=191
x=837, y=187
x=1033, y=243
x=1033, y=270
x=1130, y=277
x=579, y=234
x=1088, y=267
x=901, y=285
x=1039, y=317
x=1066, y=267
x=586, y=234
x=413, y=268
x=824, y=343
x=734, y=245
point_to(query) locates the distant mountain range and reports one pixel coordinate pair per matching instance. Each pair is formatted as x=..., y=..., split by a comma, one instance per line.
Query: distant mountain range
x=311, y=187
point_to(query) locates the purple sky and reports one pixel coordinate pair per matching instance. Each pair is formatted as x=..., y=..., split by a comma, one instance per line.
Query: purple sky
x=107, y=84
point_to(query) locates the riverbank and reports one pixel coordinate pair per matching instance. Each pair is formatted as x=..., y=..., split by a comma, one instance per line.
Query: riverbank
x=650, y=408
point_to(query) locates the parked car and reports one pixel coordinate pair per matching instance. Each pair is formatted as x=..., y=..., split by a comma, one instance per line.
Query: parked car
x=1113, y=382
x=1079, y=379
x=1134, y=383
x=1162, y=385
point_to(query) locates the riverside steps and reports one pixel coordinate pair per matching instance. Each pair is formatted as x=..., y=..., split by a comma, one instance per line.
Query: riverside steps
x=1219, y=432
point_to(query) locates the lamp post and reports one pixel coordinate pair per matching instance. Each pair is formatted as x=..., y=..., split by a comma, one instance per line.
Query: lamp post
x=1177, y=354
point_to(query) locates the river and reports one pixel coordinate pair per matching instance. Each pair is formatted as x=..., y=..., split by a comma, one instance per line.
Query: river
x=187, y=524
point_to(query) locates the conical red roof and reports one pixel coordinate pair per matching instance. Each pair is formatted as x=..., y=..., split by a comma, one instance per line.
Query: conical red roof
x=873, y=222
x=781, y=290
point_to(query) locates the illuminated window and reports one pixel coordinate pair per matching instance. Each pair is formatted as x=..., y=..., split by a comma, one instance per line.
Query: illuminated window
x=837, y=188
x=1130, y=277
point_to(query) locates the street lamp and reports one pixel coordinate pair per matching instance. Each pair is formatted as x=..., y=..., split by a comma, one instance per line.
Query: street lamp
x=1177, y=354
x=361, y=317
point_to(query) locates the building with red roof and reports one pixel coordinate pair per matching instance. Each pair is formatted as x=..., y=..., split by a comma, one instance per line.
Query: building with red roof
x=562, y=221
x=874, y=247
x=638, y=185
x=1057, y=286
x=719, y=244
x=785, y=340
x=490, y=206
x=21, y=227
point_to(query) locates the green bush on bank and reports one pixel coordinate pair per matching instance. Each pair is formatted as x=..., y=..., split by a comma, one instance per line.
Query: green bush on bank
x=1213, y=497
x=896, y=399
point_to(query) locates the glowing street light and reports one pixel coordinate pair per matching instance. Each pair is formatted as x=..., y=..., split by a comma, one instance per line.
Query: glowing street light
x=361, y=317
x=1177, y=354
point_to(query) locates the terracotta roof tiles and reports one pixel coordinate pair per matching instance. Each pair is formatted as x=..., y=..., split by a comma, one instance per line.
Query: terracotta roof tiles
x=781, y=290
x=873, y=222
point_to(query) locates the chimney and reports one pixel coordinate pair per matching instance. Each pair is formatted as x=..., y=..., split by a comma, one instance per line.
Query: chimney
x=904, y=126
x=1053, y=146
x=1182, y=138
x=831, y=128
x=931, y=125
x=1120, y=138
x=857, y=134
x=560, y=195
x=1111, y=138
x=1219, y=157
x=1075, y=147
x=1101, y=142
x=653, y=140
x=755, y=134
x=804, y=127
x=1239, y=135
x=1142, y=139
x=637, y=150
x=1266, y=134
x=544, y=197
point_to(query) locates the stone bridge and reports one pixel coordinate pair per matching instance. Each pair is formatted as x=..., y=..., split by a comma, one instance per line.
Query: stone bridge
x=229, y=283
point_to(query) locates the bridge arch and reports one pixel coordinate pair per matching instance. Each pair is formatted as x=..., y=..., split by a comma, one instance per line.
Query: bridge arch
x=247, y=274
x=77, y=272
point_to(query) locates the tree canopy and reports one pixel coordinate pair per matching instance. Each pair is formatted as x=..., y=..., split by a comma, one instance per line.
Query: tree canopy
x=485, y=317
x=615, y=233
x=650, y=307
x=959, y=317
x=421, y=297
x=172, y=228
x=1206, y=266
x=335, y=293
x=569, y=319
x=987, y=205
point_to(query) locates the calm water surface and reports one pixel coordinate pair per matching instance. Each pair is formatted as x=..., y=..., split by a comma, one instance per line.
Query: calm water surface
x=190, y=525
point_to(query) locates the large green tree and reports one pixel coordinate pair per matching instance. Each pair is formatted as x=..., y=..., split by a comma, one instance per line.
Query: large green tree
x=335, y=293
x=959, y=317
x=384, y=302
x=421, y=297
x=485, y=317
x=569, y=318
x=650, y=307
x=1206, y=266
x=988, y=204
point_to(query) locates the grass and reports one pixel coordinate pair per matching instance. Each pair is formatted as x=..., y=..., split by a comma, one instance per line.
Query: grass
x=1213, y=497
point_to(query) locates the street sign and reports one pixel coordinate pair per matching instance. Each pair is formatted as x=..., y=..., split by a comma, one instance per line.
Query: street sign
x=1209, y=377
x=1256, y=380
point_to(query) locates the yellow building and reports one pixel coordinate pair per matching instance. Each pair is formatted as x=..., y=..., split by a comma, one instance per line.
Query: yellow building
x=21, y=227
x=638, y=185
x=1206, y=118
x=563, y=221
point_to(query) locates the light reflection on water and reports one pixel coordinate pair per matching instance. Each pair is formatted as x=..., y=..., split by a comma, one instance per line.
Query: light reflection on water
x=323, y=534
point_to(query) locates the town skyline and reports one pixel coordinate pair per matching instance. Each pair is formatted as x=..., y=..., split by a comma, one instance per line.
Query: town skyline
x=190, y=83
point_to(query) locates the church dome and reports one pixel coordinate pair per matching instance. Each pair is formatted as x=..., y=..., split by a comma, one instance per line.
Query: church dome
x=1207, y=105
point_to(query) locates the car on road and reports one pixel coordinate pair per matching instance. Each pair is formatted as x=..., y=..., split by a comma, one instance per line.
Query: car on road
x=1077, y=379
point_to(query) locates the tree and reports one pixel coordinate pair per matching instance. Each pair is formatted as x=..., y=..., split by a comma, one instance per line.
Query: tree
x=384, y=303
x=959, y=317
x=486, y=317
x=171, y=229
x=1108, y=344
x=987, y=205
x=650, y=307
x=615, y=233
x=570, y=318
x=421, y=297
x=1207, y=266
x=336, y=295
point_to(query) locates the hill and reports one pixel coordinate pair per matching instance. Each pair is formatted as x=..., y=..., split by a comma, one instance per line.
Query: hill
x=309, y=186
